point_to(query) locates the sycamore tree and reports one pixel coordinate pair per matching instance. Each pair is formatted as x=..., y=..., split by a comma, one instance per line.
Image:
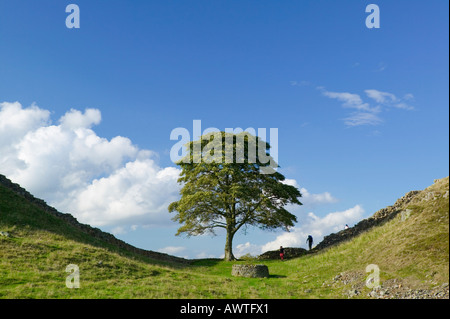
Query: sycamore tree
x=230, y=181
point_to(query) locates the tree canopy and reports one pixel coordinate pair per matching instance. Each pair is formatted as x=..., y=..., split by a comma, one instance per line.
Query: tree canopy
x=230, y=181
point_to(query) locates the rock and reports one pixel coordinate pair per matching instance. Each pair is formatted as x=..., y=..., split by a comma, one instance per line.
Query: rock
x=337, y=277
x=250, y=271
x=353, y=293
x=405, y=214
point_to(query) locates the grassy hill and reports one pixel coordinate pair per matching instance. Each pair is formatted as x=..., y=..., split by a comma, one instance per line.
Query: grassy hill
x=411, y=250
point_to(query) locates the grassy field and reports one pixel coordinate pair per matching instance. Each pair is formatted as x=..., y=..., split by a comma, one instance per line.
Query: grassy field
x=412, y=249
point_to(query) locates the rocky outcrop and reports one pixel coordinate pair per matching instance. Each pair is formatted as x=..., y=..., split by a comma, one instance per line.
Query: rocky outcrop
x=250, y=271
x=92, y=231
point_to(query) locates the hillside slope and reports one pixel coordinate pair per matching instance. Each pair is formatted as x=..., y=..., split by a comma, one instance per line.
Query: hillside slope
x=410, y=248
x=36, y=213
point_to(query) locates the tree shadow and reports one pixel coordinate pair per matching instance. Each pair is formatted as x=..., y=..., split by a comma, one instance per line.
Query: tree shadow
x=277, y=276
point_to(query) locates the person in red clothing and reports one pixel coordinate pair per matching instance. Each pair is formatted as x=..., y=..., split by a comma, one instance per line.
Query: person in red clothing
x=281, y=253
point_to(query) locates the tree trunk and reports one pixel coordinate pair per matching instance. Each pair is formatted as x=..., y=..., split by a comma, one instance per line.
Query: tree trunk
x=229, y=246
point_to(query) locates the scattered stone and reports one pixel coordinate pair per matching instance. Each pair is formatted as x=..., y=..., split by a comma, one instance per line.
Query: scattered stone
x=402, y=292
x=337, y=277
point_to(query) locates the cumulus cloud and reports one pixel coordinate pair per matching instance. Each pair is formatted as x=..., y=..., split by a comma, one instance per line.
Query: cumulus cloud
x=363, y=113
x=314, y=199
x=75, y=119
x=247, y=248
x=15, y=123
x=100, y=181
x=309, y=199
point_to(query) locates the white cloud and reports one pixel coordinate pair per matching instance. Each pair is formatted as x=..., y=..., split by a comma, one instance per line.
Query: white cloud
x=380, y=97
x=75, y=119
x=390, y=100
x=366, y=114
x=119, y=230
x=309, y=199
x=140, y=191
x=291, y=182
x=362, y=118
x=99, y=181
x=349, y=100
x=313, y=199
x=15, y=122
x=247, y=248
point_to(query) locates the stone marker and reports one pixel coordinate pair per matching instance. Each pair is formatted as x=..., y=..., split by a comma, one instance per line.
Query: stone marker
x=250, y=271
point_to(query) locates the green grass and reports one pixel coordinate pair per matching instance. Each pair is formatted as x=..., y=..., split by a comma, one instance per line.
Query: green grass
x=33, y=260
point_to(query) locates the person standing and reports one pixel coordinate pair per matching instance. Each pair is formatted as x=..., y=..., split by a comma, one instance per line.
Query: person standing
x=281, y=253
x=309, y=240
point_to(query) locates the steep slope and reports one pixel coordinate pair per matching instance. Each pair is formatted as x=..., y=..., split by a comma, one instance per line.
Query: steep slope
x=19, y=208
x=409, y=243
x=420, y=202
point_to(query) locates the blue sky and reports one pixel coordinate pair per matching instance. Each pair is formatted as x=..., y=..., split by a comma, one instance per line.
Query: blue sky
x=86, y=114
